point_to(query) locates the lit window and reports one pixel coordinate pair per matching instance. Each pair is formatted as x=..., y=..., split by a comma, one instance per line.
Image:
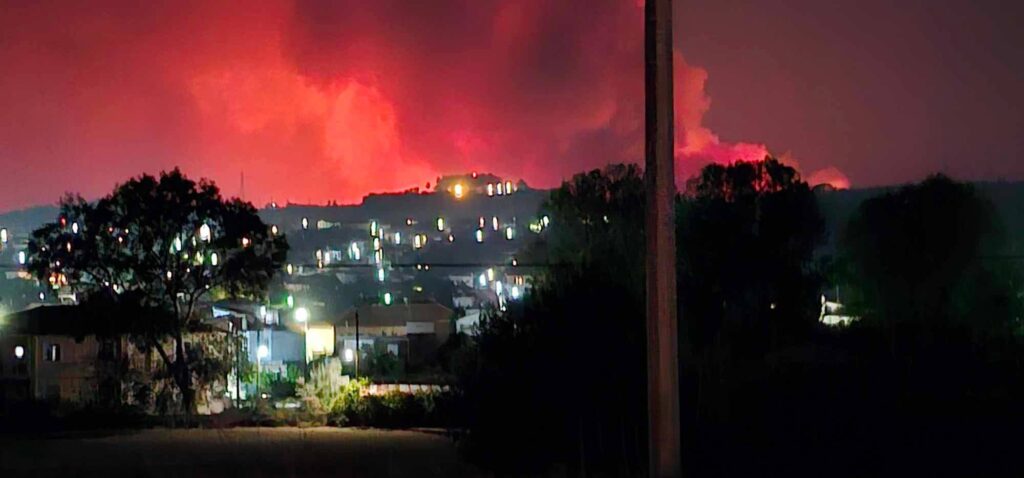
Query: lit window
x=52, y=353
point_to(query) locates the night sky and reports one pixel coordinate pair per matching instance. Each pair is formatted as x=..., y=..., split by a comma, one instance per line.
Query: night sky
x=329, y=100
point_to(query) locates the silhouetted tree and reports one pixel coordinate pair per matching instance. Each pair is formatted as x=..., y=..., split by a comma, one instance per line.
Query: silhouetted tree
x=922, y=259
x=560, y=377
x=150, y=251
x=747, y=233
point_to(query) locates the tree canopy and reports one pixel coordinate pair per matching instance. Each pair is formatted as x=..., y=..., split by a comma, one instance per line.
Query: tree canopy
x=158, y=244
x=925, y=256
x=747, y=233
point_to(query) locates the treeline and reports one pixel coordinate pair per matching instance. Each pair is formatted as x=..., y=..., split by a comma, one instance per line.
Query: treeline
x=927, y=381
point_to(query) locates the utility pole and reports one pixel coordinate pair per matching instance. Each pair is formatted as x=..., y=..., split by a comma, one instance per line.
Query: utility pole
x=659, y=177
x=357, y=342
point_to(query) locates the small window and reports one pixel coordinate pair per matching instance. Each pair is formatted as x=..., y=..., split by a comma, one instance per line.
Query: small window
x=53, y=353
x=393, y=349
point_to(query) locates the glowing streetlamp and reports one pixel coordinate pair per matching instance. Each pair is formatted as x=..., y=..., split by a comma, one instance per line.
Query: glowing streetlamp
x=494, y=223
x=204, y=233
x=509, y=233
x=301, y=314
x=262, y=352
x=545, y=221
x=458, y=191
x=440, y=223
x=273, y=230
x=19, y=352
x=214, y=259
x=479, y=235
x=74, y=227
x=3, y=235
x=387, y=298
x=289, y=269
x=305, y=223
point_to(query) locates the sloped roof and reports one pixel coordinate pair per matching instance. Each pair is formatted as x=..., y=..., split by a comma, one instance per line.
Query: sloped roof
x=67, y=320
x=397, y=315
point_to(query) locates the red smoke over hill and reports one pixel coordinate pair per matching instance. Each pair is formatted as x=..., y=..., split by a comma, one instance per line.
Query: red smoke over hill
x=321, y=101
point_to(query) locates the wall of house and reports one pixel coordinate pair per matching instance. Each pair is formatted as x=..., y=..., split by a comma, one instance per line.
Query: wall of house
x=72, y=376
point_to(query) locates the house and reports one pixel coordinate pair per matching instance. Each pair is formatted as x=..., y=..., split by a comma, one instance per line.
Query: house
x=468, y=324
x=72, y=354
x=412, y=331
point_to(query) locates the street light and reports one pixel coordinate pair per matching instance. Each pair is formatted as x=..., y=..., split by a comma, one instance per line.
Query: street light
x=3, y=235
x=19, y=352
x=302, y=315
x=262, y=352
x=305, y=223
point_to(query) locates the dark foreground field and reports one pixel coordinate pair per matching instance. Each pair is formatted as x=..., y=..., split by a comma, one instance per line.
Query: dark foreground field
x=239, y=452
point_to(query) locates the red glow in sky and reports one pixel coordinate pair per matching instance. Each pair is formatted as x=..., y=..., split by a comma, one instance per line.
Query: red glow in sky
x=328, y=100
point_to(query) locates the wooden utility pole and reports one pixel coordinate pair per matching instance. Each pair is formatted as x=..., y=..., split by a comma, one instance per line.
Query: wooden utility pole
x=659, y=171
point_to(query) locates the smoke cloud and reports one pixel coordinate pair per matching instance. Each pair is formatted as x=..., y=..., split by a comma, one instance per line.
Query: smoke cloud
x=315, y=101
